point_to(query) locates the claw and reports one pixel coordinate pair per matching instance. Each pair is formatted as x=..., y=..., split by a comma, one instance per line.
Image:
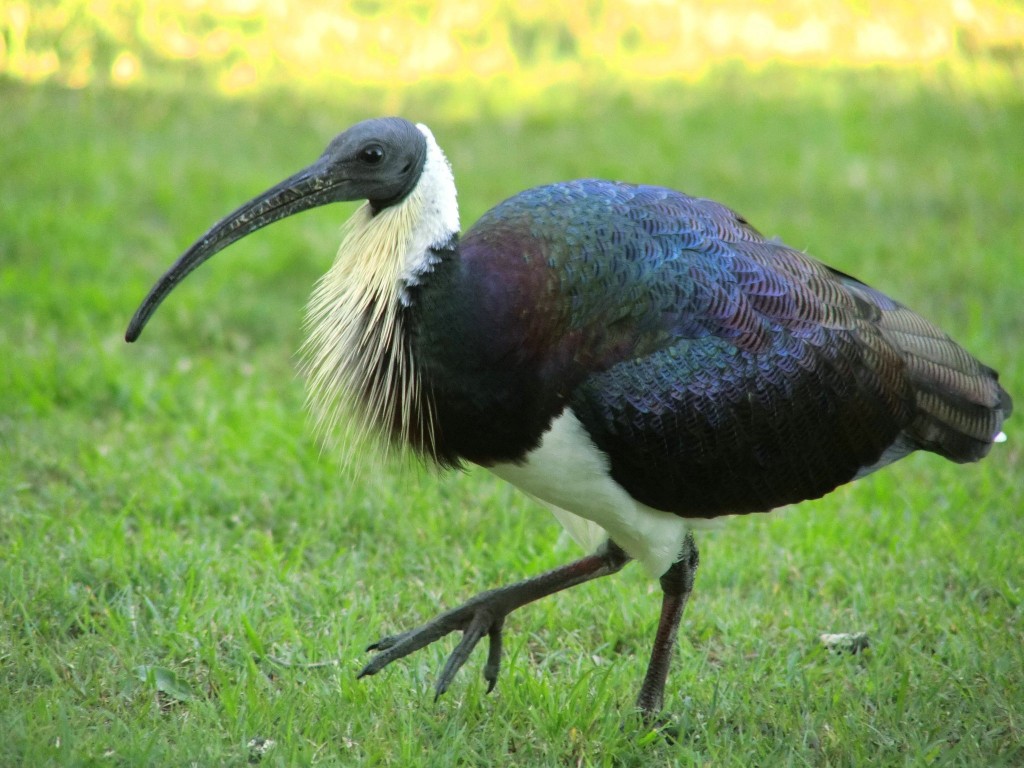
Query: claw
x=385, y=642
x=493, y=665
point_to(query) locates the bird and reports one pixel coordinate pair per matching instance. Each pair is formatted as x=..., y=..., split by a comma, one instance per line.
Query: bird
x=639, y=360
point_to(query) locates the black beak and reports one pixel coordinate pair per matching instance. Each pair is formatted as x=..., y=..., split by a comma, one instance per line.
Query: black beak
x=309, y=188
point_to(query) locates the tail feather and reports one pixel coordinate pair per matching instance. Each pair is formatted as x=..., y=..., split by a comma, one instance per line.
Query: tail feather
x=924, y=340
x=959, y=406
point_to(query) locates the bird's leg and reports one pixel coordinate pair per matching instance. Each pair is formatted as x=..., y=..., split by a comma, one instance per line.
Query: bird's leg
x=485, y=614
x=676, y=586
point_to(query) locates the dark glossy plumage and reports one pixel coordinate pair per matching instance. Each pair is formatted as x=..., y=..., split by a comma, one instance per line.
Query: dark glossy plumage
x=721, y=372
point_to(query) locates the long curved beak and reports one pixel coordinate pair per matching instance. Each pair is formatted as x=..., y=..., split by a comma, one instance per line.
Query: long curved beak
x=309, y=188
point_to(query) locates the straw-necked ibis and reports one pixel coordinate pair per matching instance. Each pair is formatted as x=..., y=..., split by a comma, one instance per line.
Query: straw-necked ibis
x=636, y=358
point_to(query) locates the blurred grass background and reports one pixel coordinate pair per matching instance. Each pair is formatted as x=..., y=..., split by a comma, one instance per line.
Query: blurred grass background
x=244, y=45
x=169, y=528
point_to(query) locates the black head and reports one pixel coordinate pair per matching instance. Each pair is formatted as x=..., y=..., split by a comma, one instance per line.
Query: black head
x=379, y=160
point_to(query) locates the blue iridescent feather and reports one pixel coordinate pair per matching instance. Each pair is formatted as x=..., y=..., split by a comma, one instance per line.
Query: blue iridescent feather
x=721, y=372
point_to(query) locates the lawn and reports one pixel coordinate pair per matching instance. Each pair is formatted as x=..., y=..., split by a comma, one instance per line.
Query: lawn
x=189, y=579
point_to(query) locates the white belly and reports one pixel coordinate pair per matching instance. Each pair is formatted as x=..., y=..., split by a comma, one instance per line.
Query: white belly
x=570, y=475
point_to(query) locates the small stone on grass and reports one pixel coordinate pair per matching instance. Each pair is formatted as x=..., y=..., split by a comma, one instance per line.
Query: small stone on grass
x=846, y=642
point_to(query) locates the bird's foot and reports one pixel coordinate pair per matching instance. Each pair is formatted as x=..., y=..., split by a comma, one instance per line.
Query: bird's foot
x=648, y=727
x=484, y=615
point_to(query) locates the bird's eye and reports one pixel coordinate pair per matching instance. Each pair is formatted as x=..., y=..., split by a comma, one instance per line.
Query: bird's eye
x=371, y=154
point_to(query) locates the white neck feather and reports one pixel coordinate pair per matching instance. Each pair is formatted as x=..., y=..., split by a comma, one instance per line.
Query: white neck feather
x=431, y=213
x=356, y=360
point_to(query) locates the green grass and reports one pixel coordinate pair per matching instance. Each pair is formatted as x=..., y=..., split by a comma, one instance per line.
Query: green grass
x=168, y=525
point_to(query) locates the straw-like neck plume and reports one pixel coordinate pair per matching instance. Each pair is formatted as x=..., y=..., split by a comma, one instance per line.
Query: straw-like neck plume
x=357, y=359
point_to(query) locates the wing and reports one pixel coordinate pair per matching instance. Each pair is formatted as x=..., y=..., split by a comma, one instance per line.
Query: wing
x=719, y=371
